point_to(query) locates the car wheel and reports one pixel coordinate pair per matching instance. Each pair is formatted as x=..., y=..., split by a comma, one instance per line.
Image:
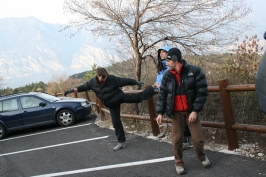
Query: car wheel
x=65, y=117
x=2, y=131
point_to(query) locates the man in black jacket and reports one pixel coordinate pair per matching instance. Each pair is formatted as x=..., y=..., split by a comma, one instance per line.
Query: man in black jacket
x=107, y=89
x=183, y=93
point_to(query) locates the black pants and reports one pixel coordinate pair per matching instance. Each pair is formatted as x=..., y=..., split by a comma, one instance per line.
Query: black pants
x=186, y=134
x=115, y=110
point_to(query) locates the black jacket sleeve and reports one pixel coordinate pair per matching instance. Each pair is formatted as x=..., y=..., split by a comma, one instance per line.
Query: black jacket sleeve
x=201, y=91
x=86, y=86
x=161, y=101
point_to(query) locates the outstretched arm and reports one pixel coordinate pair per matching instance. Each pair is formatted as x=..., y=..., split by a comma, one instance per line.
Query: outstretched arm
x=81, y=88
x=70, y=91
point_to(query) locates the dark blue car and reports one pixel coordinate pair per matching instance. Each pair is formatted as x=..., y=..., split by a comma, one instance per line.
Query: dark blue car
x=24, y=110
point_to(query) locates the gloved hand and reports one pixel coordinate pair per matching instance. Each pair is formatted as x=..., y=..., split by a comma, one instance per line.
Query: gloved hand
x=140, y=83
x=68, y=92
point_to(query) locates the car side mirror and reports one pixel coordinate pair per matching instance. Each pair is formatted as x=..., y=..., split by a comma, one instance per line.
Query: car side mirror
x=42, y=104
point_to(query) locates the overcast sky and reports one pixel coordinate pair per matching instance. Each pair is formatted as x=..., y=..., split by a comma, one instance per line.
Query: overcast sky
x=52, y=11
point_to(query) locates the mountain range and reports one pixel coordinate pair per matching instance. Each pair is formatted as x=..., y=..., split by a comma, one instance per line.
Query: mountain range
x=33, y=51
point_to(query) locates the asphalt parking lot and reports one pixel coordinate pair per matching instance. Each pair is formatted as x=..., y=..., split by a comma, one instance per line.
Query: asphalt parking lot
x=85, y=149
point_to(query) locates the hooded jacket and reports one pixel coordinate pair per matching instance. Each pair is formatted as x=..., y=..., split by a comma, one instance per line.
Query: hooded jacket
x=161, y=73
x=193, y=84
x=162, y=62
x=109, y=92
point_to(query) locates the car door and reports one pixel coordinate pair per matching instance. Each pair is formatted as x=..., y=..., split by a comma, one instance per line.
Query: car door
x=10, y=114
x=33, y=113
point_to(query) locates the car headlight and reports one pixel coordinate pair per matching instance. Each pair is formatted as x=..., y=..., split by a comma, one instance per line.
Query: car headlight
x=83, y=103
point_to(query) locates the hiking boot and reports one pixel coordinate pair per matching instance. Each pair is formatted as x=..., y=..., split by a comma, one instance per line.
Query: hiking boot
x=186, y=145
x=119, y=146
x=180, y=170
x=206, y=163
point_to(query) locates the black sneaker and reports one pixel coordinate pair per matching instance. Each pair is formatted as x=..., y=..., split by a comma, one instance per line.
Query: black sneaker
x=186, y=146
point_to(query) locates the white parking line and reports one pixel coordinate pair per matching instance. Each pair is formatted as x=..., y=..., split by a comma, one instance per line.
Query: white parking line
x=45, y=147
x=45, y=132
x=108, y=167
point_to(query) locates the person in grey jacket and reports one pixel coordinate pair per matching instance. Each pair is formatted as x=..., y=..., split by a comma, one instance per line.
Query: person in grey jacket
x=107, y=89
x=260, y=82
x=183, y=93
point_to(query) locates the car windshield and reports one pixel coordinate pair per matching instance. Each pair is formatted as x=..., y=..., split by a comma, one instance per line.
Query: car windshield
x=47, y=97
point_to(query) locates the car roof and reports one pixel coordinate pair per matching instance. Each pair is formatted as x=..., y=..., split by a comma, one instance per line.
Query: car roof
x=13, y=95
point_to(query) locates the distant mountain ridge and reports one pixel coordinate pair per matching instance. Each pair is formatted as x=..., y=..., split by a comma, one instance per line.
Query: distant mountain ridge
x=32, y=51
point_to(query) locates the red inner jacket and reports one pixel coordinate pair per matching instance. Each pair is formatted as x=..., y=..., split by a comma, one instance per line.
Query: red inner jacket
x=180, y=102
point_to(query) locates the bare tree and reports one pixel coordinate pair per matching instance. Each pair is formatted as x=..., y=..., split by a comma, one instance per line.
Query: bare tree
x=242, y=65
x=141, y=25
x=61, y=83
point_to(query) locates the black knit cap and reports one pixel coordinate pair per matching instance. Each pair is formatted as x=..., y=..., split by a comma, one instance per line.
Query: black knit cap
x=174, y=54
x=265, y=35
